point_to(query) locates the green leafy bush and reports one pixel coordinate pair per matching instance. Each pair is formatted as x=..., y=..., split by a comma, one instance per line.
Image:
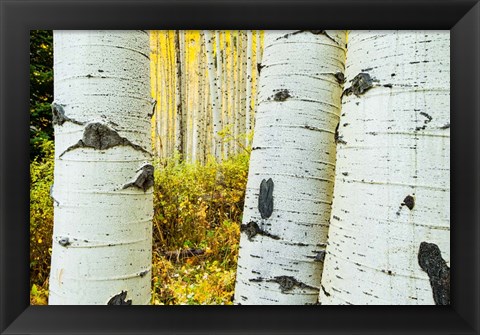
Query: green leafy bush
x=41, y=219
x=196, y=224
x=41, y=90
x=197, y=208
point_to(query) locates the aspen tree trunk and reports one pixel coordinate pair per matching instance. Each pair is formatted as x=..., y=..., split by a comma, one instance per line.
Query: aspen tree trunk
x=248, y=111
x=184, y=92
x=196, y=106
x=291, y=175
x=219, y=76
x=239, y=113
x=225, y=92
x=102, y=236
x=259, y=48
x=201, y=104
x=220, y=88
x=242, y=91
x=164, y=104
x=258, y=60
x=230, y=89
x=179, y=116
x=154, y=74
x=170, y=84
x=389, y=238
x=172, y=88
x=235, y=96
x=213, y=84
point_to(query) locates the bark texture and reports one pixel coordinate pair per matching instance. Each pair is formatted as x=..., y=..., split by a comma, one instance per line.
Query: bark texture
x=290, y=182
x=102, y=235
x=215, y=102
x=392, y=187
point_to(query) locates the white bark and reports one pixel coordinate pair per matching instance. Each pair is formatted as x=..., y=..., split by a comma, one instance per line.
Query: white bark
x=225, y=93
x=179, y=116
x=299, y=108
x=249, y=110
x=102, y=233
x=213, y=84
x=219, y=77
x=231, y=92
x=258, y=60
x=196, y=108
x=164, y=103
x=394, y=143
x=184, y=92
x=239, y=111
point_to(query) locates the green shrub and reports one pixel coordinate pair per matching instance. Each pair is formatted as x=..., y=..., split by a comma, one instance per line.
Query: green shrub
x=192, y=199
x=196, y=208
x=41, y=220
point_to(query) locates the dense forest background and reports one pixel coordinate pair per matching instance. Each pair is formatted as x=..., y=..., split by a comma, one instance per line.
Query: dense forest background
x=198, y=192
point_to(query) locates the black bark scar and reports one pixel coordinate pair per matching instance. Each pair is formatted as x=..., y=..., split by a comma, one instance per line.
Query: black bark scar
x=59, y=117
x=324, y=291
x=251, y=229
x=144, y=179
x=360, y=84
x=281, y=95
x=315, y=32
x=320, y=257
x=340, y=77
x=287, y=283
x=256, y=280
x=431, y=261
x=119, y=299
x=260, y=67
x=99, y=136
x=338, y=138
x=154, y=104
x=265, y=198
x=64, y=242
x=409, y=201
x=429, y=118
x=143, y=273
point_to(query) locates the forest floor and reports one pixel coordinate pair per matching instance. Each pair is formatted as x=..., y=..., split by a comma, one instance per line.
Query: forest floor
x=196, y=229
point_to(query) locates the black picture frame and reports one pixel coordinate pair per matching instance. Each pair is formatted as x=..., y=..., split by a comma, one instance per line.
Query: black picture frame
x=461, y=17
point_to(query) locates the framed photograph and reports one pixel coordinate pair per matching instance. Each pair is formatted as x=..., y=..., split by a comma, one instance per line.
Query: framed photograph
x=451, y=108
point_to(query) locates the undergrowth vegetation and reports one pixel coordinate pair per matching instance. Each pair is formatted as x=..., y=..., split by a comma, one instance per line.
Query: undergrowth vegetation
x=196, y=225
